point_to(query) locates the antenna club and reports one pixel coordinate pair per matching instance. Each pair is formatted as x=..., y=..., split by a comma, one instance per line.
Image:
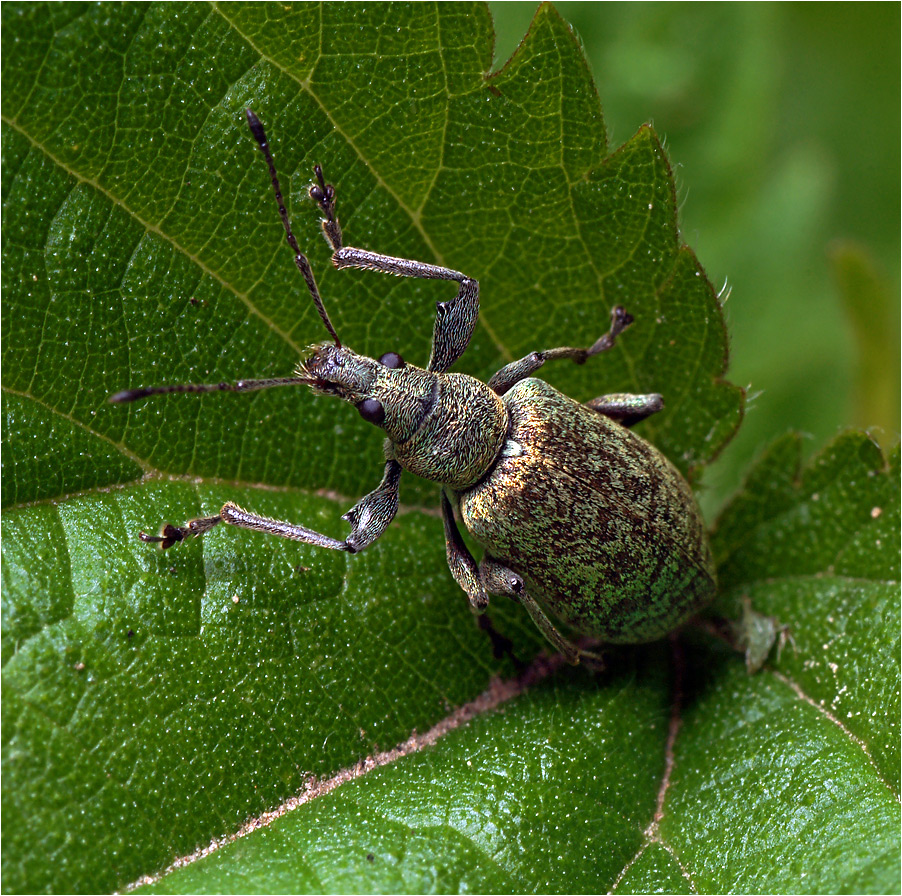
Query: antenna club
x=255, y=126
x=127, y=395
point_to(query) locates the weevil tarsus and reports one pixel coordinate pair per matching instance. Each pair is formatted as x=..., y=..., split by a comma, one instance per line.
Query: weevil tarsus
x=171, y=535
x=323, y=195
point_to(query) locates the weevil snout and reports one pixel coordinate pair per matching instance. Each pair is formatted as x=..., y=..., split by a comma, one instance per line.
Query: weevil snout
x=336, y=370
x=387, y=393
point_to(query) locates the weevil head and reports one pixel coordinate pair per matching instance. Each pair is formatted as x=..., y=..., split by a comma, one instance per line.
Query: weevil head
x=446, y=427
x=386, y=392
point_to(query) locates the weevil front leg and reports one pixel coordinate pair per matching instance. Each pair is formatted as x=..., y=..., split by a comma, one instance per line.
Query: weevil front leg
x=371, y=515
x=369, y=518
x=454, y=320
x=512, y=373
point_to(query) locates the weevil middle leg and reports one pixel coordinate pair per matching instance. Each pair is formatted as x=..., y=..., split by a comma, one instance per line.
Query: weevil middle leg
x=497, y=578
x=512, y=373
x=493, y=577
x=460, y=561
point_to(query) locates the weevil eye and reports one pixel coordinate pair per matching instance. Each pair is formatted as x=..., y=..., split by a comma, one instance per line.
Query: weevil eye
x=392, y=360
x=372, y=411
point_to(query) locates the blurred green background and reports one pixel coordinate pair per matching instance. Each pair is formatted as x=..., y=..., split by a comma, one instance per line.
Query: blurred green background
x=782, y=122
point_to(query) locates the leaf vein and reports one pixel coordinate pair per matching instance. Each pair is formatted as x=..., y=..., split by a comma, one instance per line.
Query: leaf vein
x=796, y=688
x=415, y=219
x=76, y=422
x=156, y=229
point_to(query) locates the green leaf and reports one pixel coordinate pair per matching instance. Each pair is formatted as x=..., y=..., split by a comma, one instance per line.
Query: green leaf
x=154, y=702
x=786, y=781
x=819, y=549
x=764, y=108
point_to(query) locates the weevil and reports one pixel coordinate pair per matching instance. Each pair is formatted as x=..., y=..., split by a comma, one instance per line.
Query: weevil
x=581, y=521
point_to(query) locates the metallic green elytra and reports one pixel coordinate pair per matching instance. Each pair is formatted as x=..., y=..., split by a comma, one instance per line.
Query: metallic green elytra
x=581, y=521
x=602, y=529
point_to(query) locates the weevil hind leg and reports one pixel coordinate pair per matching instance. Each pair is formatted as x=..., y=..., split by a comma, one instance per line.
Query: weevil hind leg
x=753, y=634
x=501, y=646
x=499, y=579
x=626, y=408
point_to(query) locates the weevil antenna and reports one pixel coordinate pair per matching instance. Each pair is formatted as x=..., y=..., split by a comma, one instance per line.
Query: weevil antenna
x=299, y=258
x=241, y=386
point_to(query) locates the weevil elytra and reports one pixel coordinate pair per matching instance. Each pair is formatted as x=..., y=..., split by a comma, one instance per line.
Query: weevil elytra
x=581, y=521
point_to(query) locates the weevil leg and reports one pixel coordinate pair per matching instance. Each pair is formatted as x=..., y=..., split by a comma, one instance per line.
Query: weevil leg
x=460, y=561
x=754, y=635
x=626, y=408
x=466, y=573
x=512, y=373
x=501, y=646
x=233, y=515
x=455, y=320
x=492, y=577
x=498, y=579
x=369, y=518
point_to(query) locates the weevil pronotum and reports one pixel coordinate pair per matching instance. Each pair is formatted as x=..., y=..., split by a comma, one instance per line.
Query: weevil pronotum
x=581, y=520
